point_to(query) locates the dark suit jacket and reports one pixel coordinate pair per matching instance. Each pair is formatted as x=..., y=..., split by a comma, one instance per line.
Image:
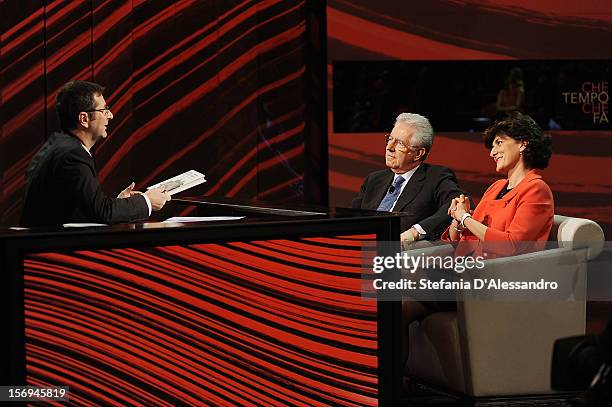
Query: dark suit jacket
x=62, y=187
x=425, y=199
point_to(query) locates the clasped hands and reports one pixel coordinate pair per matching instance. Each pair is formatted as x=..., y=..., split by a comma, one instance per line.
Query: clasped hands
x=459, y=206
x=157, y=196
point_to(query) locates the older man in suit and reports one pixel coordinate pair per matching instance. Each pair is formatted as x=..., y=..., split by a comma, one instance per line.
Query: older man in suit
x=61, y=181
x=420, y=191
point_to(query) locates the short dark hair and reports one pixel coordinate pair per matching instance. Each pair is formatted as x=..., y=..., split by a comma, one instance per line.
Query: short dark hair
x=73, y=98
x=521, y=127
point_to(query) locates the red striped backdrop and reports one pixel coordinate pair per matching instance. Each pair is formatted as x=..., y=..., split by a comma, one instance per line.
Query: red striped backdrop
x=217, y=86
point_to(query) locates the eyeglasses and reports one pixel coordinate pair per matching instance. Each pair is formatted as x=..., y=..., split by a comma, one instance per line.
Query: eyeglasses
x=399, y=145
x=104, y=110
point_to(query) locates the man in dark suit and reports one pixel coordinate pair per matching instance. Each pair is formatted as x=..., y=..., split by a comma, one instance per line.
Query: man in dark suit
x=420, y=191
x=61, y=181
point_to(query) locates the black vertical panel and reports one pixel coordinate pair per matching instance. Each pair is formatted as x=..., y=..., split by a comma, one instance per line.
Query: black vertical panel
x=315, y=142
x=68, y=36
x=22, y=96
x=3, y=157
x=113, y=68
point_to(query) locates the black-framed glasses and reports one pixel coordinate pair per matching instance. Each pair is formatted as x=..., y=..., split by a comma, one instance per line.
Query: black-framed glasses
x=105, y=109
x=399, y=144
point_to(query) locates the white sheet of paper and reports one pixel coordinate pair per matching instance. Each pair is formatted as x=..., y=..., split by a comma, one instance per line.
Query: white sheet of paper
x=180, y=219
x=82, y=225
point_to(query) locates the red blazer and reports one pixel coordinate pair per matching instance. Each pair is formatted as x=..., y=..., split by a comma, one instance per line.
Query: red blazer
x=519, y=222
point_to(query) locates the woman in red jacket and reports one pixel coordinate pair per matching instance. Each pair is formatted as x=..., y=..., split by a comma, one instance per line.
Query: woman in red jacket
x=515, y=214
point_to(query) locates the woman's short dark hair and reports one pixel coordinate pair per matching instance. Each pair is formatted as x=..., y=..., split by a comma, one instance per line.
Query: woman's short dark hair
x=521, y=127
x=73, y=98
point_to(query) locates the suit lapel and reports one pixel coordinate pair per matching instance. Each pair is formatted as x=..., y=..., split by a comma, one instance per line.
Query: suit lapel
x=412, y=189
x=380, y=190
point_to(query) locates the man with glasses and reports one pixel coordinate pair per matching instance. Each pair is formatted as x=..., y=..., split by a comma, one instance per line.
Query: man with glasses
x=422, y=192
x=61, y=183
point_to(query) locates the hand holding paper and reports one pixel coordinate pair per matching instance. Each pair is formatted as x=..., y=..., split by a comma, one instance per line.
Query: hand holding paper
x=158, y=197
x=181, y=182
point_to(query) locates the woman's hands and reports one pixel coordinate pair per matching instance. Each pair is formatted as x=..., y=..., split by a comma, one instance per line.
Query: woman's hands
x=457, y=210
x=459, y=207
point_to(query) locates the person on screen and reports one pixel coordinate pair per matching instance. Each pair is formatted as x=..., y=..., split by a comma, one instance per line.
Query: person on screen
x=61, y=184
x=517, y=211
x=419, y=190
x=511, y=97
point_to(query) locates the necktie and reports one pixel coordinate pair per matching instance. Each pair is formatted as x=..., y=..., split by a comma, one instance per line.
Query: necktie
x=392, y=193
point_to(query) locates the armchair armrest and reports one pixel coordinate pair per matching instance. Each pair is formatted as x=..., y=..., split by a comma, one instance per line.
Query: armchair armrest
x=563, y=266
x=574, y=233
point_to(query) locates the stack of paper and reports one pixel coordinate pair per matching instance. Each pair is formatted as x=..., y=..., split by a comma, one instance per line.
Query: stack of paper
x=181, y=182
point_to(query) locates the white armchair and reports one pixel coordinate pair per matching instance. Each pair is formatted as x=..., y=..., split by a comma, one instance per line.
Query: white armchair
x=504, y=347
